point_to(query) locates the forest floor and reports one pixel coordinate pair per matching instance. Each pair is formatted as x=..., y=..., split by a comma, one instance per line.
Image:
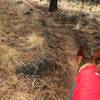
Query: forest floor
x=38, y=48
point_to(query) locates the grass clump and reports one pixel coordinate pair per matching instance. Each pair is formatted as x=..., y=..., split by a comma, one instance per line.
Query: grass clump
x=35, y=40
x=7, y=55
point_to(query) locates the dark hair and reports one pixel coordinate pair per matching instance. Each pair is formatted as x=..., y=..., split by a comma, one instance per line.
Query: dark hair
x=81, y=46
x=97, y=60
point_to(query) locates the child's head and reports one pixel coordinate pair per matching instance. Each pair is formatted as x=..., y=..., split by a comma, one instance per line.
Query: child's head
x=81, y=46
x=97, y=60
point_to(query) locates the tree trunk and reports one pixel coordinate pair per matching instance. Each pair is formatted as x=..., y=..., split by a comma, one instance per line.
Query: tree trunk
x=53, y=5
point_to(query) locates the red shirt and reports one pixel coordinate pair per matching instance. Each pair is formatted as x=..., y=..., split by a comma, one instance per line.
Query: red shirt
x=87, y=84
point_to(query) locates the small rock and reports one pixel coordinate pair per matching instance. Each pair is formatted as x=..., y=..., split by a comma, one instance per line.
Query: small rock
x=29, y=12
x=19, y=2
x=11, y=13
x=37, y=84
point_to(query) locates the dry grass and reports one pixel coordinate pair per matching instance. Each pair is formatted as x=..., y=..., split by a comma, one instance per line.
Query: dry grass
x=80, y=6
x=9, y=82
x=74, y=6
x=35, y=40
x=20, y=96
x=33, y=45
x=8, y=55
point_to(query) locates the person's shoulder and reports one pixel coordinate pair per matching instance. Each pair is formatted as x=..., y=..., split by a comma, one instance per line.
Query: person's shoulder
x=87, y=65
